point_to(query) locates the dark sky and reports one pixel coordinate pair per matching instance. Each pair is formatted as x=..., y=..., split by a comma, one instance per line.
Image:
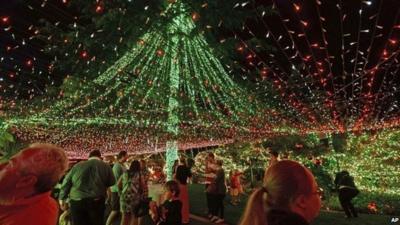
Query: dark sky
x=298, y=31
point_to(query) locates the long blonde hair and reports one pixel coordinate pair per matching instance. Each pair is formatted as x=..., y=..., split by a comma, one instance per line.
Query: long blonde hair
x=283, y=182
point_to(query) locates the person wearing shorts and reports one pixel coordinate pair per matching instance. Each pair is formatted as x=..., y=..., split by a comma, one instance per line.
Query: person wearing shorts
x=118, y=170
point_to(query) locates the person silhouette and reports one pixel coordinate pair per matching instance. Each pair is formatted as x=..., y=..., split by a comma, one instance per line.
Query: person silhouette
x=347, y=191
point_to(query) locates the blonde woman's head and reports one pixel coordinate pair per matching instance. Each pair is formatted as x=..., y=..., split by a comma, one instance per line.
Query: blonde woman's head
x=287, y=186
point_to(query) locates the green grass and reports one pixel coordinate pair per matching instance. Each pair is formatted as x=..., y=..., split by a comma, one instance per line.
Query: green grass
x=233, y=213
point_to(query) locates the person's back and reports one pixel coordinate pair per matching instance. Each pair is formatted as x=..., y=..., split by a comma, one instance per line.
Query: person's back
x=347, y=191
x=284, y=217
x=170, y=210
x=85, y=186
x=220, y=181
x=182, y=174
x=118, y=169
x=90, y=179
x=173, y=212
x=131, y=187
x=347, y=181
x=210, y=169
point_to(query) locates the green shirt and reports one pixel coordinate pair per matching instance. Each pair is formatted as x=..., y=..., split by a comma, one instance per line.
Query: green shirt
x=118, y=169
x=88, y=179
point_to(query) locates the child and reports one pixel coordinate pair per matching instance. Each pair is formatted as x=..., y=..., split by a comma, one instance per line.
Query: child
x=170, y=211
x=236, y=187
x=156, y=183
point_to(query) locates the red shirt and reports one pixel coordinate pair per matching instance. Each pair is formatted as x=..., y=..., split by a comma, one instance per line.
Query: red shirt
x=38, y=210
x=235, y=181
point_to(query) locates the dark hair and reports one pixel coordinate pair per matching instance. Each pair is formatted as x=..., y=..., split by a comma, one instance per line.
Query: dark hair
x=122, y=154
x=182, y=160
x=190, y=163
x=95, y=153
x=134, y=167
x=210, y=154
x=173, y=187
x=274, y=153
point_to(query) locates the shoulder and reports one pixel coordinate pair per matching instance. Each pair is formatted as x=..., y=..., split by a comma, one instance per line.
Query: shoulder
x=116, y=165
x=177, y=204
x=78, y=166
x=280, y=217
x=45, y=206
x=103, y=164
x=124, y=176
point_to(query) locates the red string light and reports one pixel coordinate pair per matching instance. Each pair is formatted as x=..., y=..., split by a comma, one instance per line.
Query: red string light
x=29, y=63
x=84, y=54
x=195, y=16
x=5, y=19
x=99, y=9
x=296, y=7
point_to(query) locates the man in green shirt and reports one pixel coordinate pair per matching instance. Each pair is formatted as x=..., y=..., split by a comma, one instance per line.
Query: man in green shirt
x=118, y=170
x=86, y=186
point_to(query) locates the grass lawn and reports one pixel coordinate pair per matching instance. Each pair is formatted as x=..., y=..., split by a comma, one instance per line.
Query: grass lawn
x=233, y=213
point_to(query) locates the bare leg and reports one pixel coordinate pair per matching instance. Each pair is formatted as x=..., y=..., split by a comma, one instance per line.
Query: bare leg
x=134, y=220
x=126, y=218
x=112, y=217
x=64, y=218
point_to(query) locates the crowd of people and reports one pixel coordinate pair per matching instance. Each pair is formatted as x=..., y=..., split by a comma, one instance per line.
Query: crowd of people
x=131, y=189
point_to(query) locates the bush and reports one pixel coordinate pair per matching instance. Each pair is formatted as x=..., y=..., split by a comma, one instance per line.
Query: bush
x=385, y=203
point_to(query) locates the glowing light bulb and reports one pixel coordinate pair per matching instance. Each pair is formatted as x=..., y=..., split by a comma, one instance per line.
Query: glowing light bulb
x=29, y=62
x=84, y=54
x=195, y=16
x=5, y=19
x=296, y=7
x=368, y=2
x=99, y=9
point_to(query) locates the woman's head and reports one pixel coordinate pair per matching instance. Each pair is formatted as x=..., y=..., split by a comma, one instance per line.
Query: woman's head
x=287, y=186
x=182, y=160
x=134, y=167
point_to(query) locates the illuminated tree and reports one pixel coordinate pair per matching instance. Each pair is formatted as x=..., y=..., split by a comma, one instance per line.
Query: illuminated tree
x=169, y=83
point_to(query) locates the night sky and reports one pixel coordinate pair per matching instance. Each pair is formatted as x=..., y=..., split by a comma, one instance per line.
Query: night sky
x=346, y=53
